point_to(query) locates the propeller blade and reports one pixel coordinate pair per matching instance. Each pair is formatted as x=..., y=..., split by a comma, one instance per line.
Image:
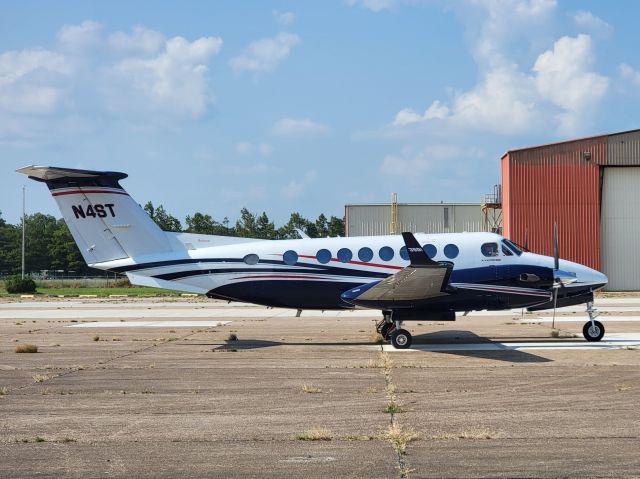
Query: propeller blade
x=526, y=239
x=556, y=248
x=555, y=302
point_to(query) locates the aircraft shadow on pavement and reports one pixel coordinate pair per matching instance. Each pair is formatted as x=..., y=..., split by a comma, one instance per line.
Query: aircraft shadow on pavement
x=458, y=339
x=427, y=342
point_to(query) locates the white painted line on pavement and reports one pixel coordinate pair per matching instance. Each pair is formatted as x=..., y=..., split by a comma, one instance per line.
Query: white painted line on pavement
x=151, y=324
x=610, y=341
x=571, y=319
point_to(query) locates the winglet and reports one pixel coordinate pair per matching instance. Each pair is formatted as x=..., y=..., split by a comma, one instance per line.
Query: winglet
x=417, y=256
x=302, y=234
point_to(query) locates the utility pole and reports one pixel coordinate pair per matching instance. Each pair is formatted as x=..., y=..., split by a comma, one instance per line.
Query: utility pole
x=23, y=228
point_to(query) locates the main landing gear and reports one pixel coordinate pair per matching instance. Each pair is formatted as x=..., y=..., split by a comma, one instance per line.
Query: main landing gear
x=593, y=330
x=392, y=331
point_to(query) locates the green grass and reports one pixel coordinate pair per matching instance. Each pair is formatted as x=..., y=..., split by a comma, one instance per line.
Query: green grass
x=101, y=292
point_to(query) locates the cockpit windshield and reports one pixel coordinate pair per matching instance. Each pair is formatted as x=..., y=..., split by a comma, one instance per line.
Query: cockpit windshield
x=512, y=246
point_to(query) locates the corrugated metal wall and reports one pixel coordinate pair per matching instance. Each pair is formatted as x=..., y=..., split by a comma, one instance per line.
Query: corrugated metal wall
x=556, y=183
x=621, y=228
x=506, y=195
x=624, y=149
x=369, y=220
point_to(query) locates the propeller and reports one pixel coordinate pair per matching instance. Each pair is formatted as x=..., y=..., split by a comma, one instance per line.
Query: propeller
x=560, y=277
x=557, y=283
x=556, y=248
x=526, y=239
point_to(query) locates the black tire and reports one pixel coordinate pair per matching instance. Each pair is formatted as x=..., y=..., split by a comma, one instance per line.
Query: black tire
x=594, y=333
x=401, y=339
x=386, y=329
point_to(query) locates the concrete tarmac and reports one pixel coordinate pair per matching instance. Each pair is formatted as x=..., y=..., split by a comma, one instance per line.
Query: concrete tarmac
x=168, y=394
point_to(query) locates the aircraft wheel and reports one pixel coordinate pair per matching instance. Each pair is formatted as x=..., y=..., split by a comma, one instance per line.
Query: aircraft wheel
x=386, y=329
x=401, y=339
x=593, y=333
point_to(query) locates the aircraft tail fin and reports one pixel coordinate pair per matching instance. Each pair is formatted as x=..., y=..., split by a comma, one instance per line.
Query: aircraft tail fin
x=106, y=223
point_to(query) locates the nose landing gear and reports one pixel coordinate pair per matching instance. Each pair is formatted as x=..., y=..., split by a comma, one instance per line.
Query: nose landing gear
x=392, y=331
x=593, y=330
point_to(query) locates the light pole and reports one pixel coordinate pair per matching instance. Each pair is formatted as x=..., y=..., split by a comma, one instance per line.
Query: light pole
x=23, y=227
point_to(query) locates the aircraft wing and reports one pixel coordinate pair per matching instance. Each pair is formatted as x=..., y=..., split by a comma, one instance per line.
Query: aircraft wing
x=422, y=279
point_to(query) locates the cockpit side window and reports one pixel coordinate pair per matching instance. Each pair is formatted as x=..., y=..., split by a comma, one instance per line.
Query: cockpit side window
x=512, y=246
x=489, y=249
x=506, y=251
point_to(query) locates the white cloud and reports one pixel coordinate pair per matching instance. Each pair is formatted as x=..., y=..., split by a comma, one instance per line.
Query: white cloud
x=499, y=28
x=410, y=164
x=407, y=116
x=627, y=72
x=375, y=5
x=266, y=54
x=81, y=37
x=298, y=127
x=590, y=22
x=563, y=78
x=144, y=76
x=436, y=110
x=284, y=18
x=559, y=91
x=297, y=187
x=141, y=40
x=33, y=81
x=248, y=148
x=503, y=102
x=174, y=81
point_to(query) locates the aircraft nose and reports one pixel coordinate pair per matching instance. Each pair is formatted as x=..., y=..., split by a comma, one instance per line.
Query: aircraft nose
x=601, y=277
x=592, y=276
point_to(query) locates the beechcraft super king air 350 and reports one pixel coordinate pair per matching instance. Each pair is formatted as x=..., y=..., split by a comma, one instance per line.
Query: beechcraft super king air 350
x=408, y=277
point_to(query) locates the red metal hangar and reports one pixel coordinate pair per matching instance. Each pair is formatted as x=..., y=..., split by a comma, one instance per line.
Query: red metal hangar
x=590, y=187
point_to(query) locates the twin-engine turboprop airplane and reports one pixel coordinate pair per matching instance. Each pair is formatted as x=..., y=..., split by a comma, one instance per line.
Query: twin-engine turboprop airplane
x=410, y=277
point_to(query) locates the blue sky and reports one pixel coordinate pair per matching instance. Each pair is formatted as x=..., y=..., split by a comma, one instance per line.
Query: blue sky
x=304, y=106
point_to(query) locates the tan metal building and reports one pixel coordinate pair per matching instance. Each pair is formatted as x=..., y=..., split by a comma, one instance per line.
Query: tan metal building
x=377, y=219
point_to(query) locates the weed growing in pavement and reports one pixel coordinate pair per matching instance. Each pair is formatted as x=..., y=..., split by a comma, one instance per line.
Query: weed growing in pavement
x=399, y=437
x=96, y=338
x=232, y=337
x=555, y=333
x=318, y=434
x=26, y=348
x=468, y=434
x=393, y=407
x=40, y=378
x=39, y=439
x=307, y=388
x=376, y=338
x=3, y=391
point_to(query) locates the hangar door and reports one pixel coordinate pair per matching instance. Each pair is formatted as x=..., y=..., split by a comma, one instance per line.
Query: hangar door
x=621, y=228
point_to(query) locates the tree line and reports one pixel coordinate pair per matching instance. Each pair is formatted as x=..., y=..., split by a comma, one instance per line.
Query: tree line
x=49, y=245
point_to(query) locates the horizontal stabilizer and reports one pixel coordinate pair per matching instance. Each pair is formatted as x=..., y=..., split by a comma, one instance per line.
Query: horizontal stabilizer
x=56, y=177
